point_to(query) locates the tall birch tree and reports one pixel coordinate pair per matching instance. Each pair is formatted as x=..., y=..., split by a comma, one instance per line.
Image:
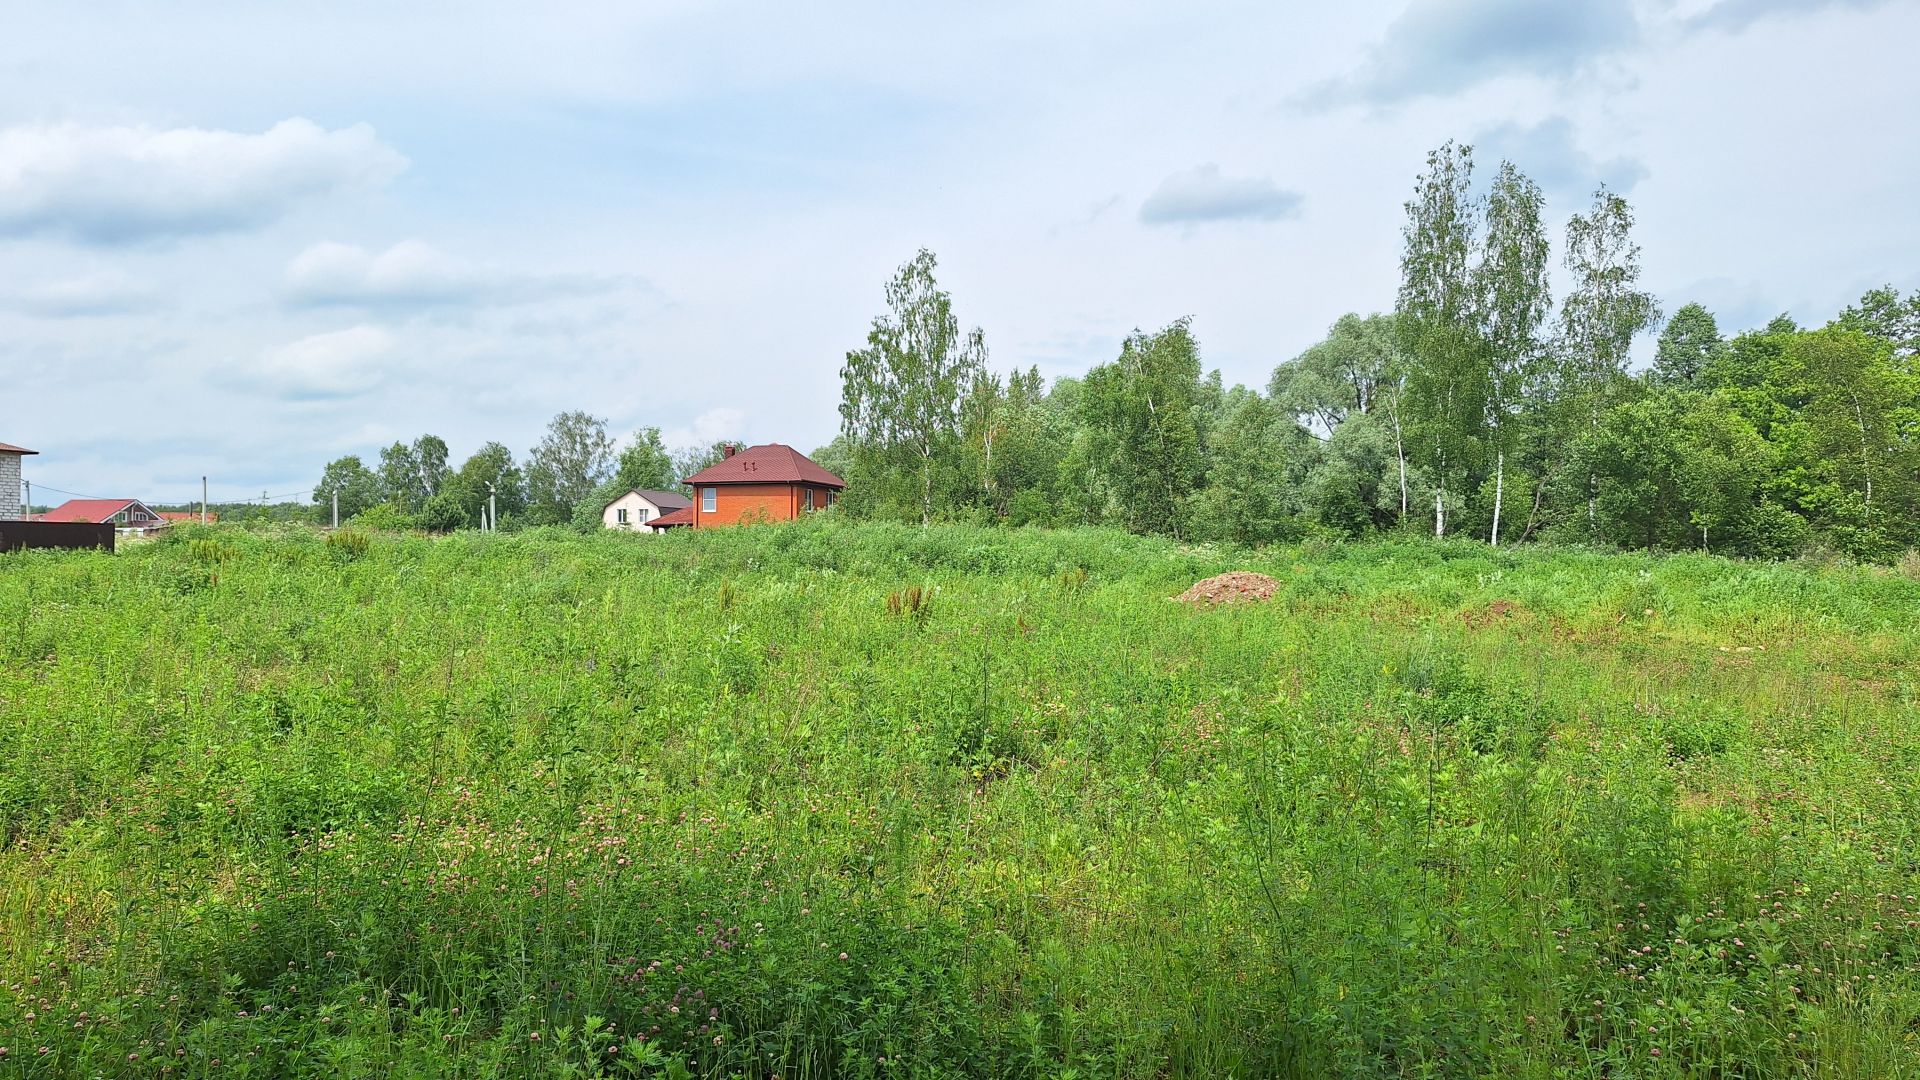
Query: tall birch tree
x=1142, y=413
x=1514, y=300
x=1602, y=315
x=1447, y=378
x=901, y=395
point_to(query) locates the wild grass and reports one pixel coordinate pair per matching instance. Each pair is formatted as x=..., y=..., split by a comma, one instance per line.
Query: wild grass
x=834, y=800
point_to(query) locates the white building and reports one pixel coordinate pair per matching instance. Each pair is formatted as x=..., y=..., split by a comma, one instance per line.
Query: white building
x=11, y=508
x=634, y=509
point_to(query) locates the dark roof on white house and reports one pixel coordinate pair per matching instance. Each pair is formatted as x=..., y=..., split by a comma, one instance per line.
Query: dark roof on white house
x=666, y=500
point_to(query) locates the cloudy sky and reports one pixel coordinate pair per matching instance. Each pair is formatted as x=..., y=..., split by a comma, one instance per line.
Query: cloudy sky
x=240, y=239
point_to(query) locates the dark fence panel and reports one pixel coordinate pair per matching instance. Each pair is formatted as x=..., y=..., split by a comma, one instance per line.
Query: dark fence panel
x=19, y=535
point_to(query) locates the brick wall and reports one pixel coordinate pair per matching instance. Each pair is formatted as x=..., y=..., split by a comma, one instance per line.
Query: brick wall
x=10, y=508
x=734, y=503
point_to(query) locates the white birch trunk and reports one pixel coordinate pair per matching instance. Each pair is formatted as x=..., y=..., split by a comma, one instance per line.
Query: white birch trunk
x=1499, y=493
x=1400, y=453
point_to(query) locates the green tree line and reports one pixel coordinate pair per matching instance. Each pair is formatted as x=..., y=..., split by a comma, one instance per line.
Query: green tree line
x=1477, y=406
x=567, y=479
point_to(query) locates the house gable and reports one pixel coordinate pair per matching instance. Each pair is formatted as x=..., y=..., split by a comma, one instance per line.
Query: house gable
x=638, y=508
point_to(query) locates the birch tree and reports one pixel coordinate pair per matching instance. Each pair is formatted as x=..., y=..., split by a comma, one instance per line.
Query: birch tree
x=1447, y=378
x=900, y=396
x=1603, y=314
x=1143, y=417
x=573, y=458
x=1514, y=300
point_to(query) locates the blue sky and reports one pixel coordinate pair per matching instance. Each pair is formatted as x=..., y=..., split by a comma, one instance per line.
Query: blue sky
x=240, y=240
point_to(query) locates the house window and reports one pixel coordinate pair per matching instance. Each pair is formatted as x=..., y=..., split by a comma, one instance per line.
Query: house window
x=644, y=512
x=708, y=504
x=809, y=500
x=620, y=515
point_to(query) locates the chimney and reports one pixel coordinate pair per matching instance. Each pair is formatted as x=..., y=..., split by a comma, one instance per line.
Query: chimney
x=727, y=450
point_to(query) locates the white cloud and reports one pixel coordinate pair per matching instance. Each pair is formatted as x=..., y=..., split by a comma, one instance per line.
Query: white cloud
x=1437, y=47
x=707, y=428
x=337, y=364
x=413, y=274
x=114, y=185
x=109, y=292
x=1734, y=15
x=1548, y=153
x=1205, y=194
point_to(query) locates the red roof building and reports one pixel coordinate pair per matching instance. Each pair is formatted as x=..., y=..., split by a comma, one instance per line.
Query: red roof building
x=677, y=519
x=123, y=513
x=773, y=482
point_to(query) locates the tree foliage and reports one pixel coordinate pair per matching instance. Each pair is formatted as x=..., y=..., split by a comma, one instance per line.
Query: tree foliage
x=900, y=407
x=1142, y=414
x=571, y=461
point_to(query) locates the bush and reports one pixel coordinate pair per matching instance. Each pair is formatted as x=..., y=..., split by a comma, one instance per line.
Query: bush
x=384, y=517
x=443, y=513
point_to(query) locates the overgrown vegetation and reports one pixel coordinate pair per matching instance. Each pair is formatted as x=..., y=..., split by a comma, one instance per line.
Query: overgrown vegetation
x=871, y=800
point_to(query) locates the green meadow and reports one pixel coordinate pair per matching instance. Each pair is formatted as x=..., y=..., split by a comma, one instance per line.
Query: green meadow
x=838, y=800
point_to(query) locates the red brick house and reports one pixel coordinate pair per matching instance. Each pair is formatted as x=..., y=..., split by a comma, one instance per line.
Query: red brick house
x=774, y=482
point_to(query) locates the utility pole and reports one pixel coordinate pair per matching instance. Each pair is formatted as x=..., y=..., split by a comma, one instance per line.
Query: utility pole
x=27, y=514
x=336, y=509
x=203, y=500
x=493, y=508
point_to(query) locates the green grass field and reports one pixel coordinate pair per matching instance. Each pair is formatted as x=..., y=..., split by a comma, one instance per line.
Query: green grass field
x=732, y=804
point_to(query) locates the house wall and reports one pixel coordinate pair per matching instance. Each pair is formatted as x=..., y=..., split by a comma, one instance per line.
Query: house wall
x=632, y=502
x=734, y=503
x=10, y=509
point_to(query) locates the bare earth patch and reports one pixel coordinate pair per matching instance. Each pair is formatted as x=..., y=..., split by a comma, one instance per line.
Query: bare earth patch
x=1232, y=587
x=1498, y=611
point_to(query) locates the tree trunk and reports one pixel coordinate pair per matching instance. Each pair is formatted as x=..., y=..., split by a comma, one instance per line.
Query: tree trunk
x=986, y=465
x=1166, y=468
x=926, y=484
x=1539, y=495
x=1866, y=457
x=1400, y=453
x=1499, y=493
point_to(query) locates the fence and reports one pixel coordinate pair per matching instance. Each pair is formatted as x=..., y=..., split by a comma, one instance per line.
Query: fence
x=20, y=535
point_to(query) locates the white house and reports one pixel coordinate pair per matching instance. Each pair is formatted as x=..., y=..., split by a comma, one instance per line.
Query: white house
x=10, y=457
x=634, y=509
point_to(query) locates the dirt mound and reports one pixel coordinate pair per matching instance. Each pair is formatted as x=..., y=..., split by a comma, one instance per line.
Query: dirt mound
x=1229, y=588
x=1498, y=611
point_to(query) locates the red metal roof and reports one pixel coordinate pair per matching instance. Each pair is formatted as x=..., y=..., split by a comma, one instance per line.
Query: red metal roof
x=774, y=463
x=9, y=448
x=682, y=516
x=93, y=510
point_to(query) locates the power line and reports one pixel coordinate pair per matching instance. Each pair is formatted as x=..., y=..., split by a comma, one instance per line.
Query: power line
x=74, y=494
x=103, y=498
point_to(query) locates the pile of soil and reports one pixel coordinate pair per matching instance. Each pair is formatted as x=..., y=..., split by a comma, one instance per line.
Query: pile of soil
x=1231, y=588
